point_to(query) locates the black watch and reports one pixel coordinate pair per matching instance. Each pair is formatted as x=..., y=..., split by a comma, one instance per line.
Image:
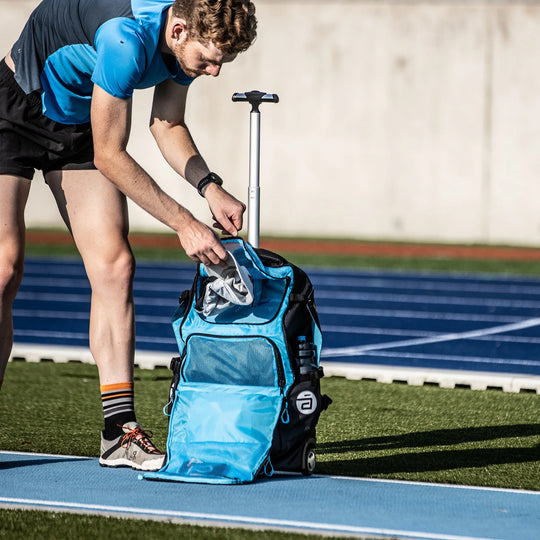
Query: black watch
x=210, y=178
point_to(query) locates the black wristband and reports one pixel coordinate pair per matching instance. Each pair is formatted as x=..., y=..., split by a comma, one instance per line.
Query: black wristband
x=210, y=178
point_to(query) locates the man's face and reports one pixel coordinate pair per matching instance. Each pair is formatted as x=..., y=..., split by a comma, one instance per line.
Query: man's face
x=197, y=59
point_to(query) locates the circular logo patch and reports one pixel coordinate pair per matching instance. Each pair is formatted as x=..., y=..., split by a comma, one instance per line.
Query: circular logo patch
x=306, y=402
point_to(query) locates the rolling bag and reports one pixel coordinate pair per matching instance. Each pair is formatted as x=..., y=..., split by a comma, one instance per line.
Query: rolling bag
x=245, y=394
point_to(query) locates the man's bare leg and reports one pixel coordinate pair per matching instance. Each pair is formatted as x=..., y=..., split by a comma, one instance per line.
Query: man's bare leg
x=96, y=213
x=13, y=196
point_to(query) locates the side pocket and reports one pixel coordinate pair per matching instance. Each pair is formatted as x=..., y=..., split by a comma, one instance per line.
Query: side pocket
x=175, y=366
x=304, y=405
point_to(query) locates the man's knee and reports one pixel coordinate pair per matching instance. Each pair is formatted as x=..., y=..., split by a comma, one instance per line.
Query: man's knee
x=117, y=271
x=10, y=280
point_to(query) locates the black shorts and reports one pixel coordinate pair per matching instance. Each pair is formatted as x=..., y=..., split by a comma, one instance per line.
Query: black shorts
x=29, y=140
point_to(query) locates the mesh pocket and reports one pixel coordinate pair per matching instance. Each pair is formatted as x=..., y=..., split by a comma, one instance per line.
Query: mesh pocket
x=249, y=361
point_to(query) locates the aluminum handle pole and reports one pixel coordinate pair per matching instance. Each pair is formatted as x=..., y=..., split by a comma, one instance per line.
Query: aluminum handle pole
x=255, y=98
x=254, y=191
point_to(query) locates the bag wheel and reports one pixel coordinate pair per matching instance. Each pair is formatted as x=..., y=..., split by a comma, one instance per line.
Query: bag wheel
x=309, y=458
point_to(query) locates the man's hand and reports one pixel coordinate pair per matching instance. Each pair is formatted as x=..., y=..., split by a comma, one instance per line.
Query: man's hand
x=227, y=211
x=201, y=243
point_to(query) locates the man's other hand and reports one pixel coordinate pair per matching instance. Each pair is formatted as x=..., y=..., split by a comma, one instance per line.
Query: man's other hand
x=201, y=243
x=227, y=211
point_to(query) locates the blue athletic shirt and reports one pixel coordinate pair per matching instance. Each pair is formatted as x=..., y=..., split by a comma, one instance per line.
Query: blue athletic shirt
x=67, y=46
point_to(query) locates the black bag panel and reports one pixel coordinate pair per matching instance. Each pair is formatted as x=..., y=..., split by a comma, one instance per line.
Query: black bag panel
x=295, y=434
x=297, y=426
x=301, y=314
x=271, y=259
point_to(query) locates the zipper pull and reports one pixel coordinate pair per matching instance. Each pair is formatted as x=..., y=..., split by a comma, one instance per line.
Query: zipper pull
x=268, y=468
x=167, y=409
x=285, y=418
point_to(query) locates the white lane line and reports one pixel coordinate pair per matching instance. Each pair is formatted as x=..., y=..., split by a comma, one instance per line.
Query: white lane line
x=51, y=314
x=449, y=358
x=324, y=308
x=427, y=299
x=414, y=314
x=171, y=272
x=85, y=299
x=43, y=334
x=141, y=338
x=368, y=331
x=387, y=283
x=80, y=315
x=327, y=328
x=183, y=280
x=38, y=271
x=362, y=349
x=170, y=288
x=44, y=283
x=84, y=336
x=224, y=518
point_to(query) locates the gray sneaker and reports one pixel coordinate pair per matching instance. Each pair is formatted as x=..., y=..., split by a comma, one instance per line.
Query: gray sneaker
x=133, y=449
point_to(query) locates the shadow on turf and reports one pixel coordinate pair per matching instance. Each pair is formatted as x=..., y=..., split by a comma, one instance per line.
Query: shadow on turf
x=421, y=461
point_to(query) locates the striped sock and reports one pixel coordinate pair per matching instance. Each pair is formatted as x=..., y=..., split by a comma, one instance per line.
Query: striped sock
x=118, y=408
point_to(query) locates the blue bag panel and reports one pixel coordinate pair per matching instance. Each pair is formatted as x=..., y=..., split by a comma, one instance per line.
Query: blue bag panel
x=247, y=361
x=271, y=294
x=270, y=288
x=219, y=433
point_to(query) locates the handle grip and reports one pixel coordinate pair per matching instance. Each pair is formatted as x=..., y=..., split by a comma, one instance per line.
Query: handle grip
x=255, y=98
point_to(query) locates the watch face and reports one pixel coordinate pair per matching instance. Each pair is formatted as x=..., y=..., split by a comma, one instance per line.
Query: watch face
x=215, y=178
x=209, y=179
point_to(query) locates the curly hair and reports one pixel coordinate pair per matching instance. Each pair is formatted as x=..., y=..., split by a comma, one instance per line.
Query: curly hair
x=230, y=25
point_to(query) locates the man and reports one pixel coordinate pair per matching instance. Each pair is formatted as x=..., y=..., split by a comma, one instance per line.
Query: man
x=65, y=108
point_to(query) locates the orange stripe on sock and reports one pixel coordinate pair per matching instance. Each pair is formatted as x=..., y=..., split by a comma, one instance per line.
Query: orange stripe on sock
x=117, y=386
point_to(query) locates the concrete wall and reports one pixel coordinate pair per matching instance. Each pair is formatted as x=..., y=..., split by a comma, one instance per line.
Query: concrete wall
x=405, y=120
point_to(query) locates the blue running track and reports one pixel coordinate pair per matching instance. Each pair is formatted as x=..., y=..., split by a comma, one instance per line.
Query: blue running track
x=373, y=321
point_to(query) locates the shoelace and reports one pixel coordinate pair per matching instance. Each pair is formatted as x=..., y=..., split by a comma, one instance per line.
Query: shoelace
x=143, y=438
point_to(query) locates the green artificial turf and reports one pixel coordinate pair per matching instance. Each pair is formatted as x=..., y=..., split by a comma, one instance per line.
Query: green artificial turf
x=485, y=438
x=34, y=525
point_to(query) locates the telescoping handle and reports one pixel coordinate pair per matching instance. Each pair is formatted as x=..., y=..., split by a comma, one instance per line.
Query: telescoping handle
x=255, y=98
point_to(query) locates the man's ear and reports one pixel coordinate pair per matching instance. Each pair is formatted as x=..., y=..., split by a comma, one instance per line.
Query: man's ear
x=178, y=29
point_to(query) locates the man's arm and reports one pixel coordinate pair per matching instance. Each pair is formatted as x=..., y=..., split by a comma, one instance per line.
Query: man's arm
x=168, y=127
x=111, y=122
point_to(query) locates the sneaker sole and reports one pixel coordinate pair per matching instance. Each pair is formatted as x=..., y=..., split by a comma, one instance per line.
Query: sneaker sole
x=148, y=465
